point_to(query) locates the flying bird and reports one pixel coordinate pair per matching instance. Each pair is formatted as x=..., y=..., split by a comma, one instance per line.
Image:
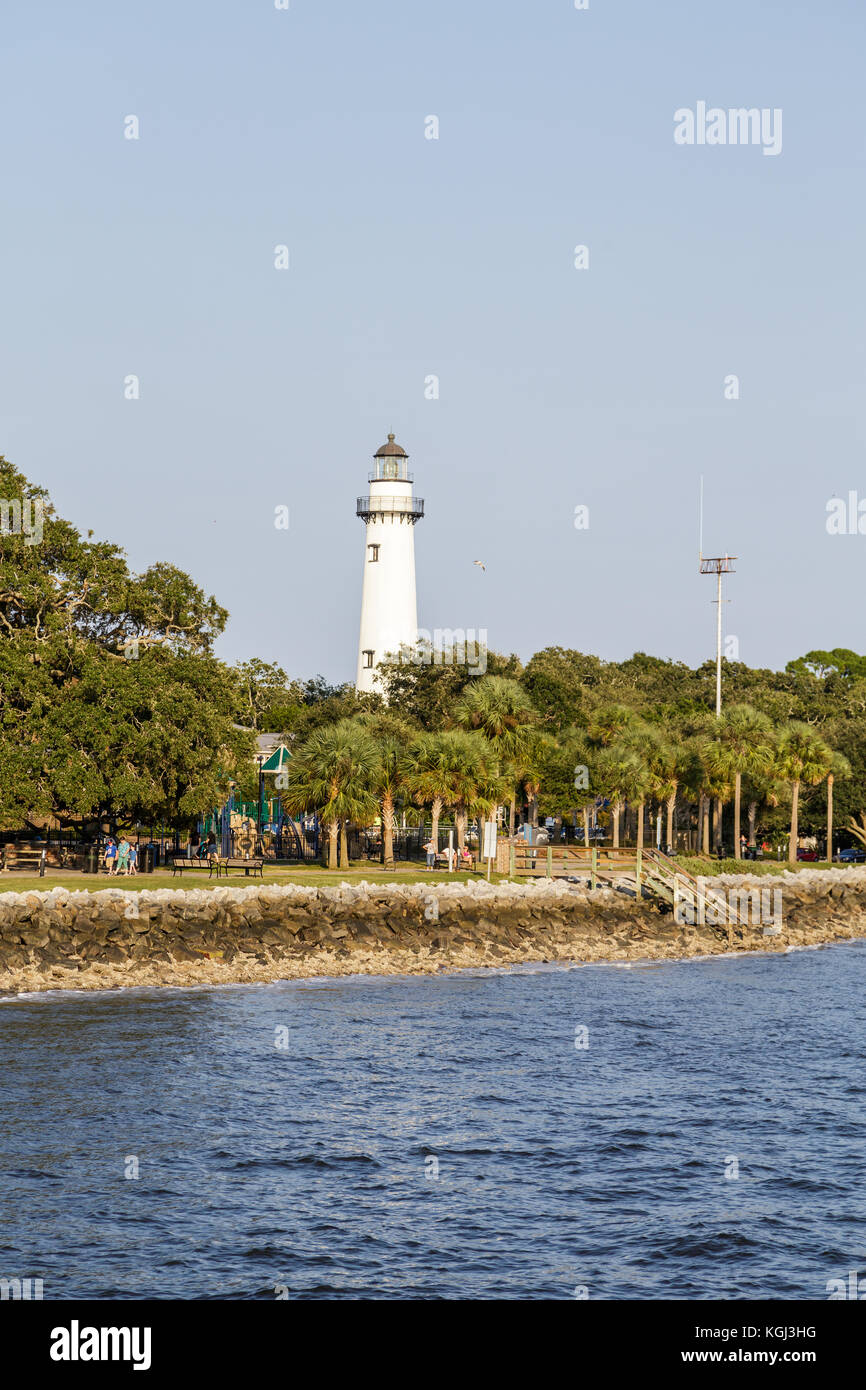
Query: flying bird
x=480, y=563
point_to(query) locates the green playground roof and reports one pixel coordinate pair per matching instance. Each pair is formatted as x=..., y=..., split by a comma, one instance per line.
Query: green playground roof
x=277, y=760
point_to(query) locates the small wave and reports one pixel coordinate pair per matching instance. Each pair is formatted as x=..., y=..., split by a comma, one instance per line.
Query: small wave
x=621, y=1148
x=28, y=1173
x=307, y=1161
x=720, y=1243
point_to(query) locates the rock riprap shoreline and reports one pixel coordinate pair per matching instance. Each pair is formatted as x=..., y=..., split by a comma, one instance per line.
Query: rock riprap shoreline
x=67, y=939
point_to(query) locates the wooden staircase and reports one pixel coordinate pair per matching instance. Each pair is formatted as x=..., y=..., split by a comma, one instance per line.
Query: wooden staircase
x=640, y=872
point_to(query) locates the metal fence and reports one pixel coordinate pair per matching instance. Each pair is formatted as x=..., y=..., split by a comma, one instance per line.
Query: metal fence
x=369, y=845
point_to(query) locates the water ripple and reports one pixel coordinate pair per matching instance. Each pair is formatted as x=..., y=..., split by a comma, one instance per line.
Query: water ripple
x=443, y=1136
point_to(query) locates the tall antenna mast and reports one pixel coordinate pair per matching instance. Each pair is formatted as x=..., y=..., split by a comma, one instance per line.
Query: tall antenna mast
x=719, y=565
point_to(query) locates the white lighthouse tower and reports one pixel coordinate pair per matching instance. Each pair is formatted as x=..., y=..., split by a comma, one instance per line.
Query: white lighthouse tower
x=389, y=613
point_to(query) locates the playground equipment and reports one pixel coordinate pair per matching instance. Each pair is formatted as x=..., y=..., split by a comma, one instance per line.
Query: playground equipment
x=245, y=828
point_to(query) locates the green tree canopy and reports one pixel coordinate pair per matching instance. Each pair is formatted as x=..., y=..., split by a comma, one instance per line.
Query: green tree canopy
x=111, y=701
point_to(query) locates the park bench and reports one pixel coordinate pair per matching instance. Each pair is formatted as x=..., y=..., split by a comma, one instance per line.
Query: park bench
x=183, y=861
x=221, y=866
x=442, y=858
x=28, y=857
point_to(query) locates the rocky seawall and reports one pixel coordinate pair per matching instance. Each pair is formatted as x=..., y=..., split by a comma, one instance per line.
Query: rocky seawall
x=64, y=939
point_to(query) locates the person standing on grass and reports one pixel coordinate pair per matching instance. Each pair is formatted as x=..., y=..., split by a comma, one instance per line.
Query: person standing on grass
x=110, y=855
x=123, y=856
x=431, y=855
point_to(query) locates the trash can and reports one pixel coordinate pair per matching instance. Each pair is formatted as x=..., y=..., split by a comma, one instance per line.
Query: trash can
x=145, y=859
x=91, y=860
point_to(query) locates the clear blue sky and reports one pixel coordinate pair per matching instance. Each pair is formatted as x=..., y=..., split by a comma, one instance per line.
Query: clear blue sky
x=411, y=257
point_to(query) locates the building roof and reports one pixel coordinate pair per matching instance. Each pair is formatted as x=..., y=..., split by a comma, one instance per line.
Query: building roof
x=390, y=449
x=266, y=743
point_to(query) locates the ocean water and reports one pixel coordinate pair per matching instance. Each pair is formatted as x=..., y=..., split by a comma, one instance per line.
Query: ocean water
x=443, y=1136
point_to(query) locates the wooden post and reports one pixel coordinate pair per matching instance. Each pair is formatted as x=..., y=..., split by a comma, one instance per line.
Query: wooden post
x=638, y=856
x=549, y=861
x=702, y=902
x=511, y=861
x=593, y=866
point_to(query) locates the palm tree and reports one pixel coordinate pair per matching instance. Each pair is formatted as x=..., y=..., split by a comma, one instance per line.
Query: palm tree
x=718, y=780
x=802, y=758
x=742, y=742
x=607, y=723
x=529, y=768
x=471, y=771
x=391, y=736
x=501, y=710
x=697, y=778
x=669, y=765
x=489, y=792
x=332, y=772
x=453, y=768
x=763, y=788
x=657, y=760
x=387, y=780
x=839, y=767
x=578, y=754
x=428, y=775
x=624, y=773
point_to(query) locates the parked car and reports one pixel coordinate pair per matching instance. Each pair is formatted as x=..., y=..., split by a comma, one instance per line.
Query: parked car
x=851, y=856
x=808, y=855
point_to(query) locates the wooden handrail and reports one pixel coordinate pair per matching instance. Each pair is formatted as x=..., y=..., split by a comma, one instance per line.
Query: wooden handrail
x=647, y=866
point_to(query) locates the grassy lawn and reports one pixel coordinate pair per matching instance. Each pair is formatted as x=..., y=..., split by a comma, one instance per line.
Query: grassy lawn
x=310, y=875
x=697, y=864
x=313, y=875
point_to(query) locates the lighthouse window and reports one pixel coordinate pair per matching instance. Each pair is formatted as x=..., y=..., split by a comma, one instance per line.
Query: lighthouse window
x=368, y=660
x=372, y=554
